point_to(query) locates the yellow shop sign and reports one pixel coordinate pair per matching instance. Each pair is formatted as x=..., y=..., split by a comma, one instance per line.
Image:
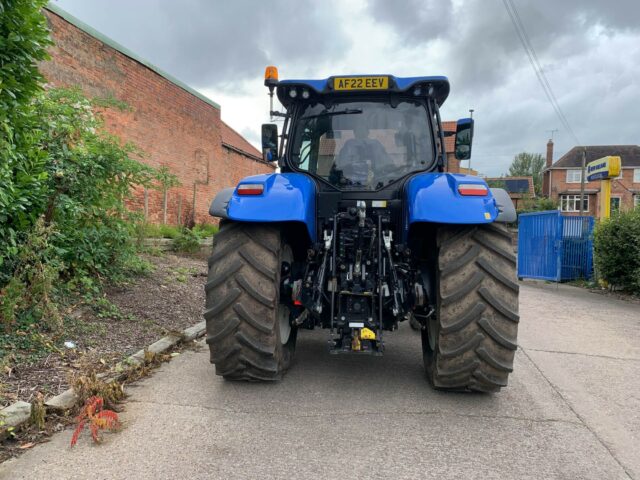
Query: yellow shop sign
x=604, y=168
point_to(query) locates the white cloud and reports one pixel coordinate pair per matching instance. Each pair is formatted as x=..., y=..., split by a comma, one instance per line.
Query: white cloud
x=590, y=51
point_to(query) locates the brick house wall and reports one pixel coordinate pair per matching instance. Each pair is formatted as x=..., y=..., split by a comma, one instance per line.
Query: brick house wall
x=174, y=125
x=626, y=187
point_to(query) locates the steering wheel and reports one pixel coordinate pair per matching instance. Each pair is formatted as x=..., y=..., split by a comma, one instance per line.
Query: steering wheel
x=385, y=170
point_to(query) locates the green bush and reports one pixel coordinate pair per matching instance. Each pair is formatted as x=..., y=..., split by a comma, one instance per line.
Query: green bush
x=617, y=250
x=23, y=43
x=24, y=39
x=537, y=204
x=187, y=242
x=79, y=181
x=150, y=230
x=29, y=293
x=206, y=230
x=64, y=183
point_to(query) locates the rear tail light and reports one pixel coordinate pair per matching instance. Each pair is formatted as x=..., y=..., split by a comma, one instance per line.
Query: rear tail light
x=473, y=189
x=250, y=189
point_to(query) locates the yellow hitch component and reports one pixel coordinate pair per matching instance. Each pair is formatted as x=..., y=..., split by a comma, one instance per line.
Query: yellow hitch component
x=355, y=344
x=367, y=334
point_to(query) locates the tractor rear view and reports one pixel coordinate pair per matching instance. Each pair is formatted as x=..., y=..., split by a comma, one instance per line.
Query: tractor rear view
x=363, y=228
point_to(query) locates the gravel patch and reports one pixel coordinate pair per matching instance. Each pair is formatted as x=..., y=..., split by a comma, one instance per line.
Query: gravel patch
x=168, y=300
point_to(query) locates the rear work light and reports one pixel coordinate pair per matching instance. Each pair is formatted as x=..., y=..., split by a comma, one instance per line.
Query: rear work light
x=473, y=189
x=250, y=189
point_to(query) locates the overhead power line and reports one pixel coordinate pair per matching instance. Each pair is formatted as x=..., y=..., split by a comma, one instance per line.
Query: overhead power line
x=535, y=64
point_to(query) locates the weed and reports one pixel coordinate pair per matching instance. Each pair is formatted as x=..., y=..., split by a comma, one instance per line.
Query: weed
x=29, y=294
x=90, y=385
x=149, y=362
x=182, y=273
x=204, y=230
x=38, y=412
x=187, y=242
x=149, y=230
x=106, y=309
x=94, y=414
x=154, y=251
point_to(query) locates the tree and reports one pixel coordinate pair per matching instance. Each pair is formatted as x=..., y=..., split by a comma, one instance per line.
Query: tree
x=23, y=43
x=528, y=164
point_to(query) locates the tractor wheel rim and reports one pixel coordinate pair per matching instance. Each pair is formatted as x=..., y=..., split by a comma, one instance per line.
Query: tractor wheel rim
x=285, y=324
x=431, y=332
x=283, y=311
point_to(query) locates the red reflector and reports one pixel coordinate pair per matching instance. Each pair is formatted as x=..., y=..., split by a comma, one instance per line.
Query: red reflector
x=297, y=302
x=250, y=189
x=473, y=189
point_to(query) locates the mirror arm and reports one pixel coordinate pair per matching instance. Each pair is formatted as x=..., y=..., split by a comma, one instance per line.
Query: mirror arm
x=283, y=136
x=442, y=160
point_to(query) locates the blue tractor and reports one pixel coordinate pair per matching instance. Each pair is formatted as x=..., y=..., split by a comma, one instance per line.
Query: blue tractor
x=362, y=228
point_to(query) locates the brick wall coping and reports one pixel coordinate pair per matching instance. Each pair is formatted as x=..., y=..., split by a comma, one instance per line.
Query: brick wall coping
x=116, y=46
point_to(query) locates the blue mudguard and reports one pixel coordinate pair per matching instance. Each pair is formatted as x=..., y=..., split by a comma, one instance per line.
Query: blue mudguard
x=287, y=197
x=434, y=197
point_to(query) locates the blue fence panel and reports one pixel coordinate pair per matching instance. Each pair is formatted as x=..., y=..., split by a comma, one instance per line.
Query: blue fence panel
x=538, y=242
x=577, y=248
x=554, y=247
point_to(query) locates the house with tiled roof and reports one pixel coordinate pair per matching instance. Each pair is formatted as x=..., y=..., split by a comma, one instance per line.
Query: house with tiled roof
x=519, y=188
x=562, y=178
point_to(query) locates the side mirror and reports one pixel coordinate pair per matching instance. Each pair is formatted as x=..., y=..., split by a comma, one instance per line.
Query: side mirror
x=464, y=136
x=269, y=142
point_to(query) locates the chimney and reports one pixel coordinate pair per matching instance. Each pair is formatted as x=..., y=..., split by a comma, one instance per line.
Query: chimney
x=549, y=153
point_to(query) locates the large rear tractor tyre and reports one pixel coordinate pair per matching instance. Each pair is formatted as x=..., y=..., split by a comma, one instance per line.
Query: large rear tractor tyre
x=248, y=330
x=470, y=343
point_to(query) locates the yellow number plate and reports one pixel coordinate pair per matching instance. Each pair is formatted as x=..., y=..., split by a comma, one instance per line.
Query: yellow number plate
x=361, y=83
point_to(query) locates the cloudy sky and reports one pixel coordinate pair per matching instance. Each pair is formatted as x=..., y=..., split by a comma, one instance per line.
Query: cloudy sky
x=589, y=50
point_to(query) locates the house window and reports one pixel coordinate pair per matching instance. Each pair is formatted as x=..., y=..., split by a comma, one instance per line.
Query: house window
x=636, y=175
x=574, y=176
x=571, y=203
x=636, y=201
x=614, y=202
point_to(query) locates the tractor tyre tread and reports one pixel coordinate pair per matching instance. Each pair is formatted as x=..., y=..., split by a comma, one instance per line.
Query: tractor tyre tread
x=477, y=316
x=241, y=313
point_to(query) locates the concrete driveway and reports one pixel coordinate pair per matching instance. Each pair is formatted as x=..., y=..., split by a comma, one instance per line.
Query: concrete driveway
x=572, y=410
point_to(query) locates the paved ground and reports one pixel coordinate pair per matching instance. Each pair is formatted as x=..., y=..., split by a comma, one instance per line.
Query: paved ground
x=572, y=410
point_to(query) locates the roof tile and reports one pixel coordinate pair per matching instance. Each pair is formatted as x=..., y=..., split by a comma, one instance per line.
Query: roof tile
x=629, y=154
x=235, y=141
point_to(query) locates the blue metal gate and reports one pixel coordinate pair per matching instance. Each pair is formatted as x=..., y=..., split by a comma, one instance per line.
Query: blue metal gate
x=555, y=247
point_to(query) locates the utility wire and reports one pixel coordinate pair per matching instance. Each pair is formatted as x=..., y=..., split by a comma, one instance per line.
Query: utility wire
x=535, y=64
x=540, y=69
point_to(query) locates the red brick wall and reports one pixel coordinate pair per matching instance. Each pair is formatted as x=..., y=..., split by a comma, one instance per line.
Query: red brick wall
x=172, y=126
x=623, y=188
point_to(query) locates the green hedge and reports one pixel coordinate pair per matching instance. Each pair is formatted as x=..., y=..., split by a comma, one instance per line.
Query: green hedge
x=617, y=250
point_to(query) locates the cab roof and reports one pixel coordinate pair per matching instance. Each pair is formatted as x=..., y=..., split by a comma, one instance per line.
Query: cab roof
x=324, y=86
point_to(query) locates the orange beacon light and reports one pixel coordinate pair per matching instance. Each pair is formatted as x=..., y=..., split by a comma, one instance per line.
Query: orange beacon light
x=271, y=76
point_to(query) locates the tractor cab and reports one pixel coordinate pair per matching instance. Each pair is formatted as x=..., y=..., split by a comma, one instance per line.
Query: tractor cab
x=362, y=133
